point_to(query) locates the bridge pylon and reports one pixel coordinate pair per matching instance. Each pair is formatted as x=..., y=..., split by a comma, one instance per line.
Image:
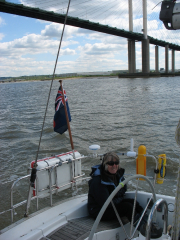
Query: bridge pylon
x=131, y=56
x=145, y=56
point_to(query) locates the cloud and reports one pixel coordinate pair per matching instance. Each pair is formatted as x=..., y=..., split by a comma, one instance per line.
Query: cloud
x=34, y=44
x=30, y=44
x=52, y=30
x=82, y=50
x=90, y=63
x=24, y=66
x=1, y=36
x=20, y=56
x=153, y=25
x=100, y=49
x=45, y=43
x=2, y=22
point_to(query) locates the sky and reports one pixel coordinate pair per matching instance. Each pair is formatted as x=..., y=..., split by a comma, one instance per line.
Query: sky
x=29, y=46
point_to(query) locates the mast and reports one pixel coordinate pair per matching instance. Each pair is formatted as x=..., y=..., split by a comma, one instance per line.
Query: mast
x=176, y=218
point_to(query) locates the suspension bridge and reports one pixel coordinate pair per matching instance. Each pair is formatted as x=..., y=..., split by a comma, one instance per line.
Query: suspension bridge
x=132, y=37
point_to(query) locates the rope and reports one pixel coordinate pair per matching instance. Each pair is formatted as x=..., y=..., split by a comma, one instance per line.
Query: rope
x=52, y=83
x=156, y=5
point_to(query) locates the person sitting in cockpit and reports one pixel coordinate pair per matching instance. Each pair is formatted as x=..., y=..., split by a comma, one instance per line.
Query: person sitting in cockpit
x=105, y=178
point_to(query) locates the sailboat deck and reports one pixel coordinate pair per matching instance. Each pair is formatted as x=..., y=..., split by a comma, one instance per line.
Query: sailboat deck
x=79, y=229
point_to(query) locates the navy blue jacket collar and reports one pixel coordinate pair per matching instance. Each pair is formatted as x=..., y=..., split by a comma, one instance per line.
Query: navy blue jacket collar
x=97, y=171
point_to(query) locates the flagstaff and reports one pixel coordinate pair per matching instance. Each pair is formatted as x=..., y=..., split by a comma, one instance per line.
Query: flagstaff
x=67, y=118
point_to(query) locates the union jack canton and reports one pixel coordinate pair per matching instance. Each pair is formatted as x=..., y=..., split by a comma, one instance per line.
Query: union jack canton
x=59, y=102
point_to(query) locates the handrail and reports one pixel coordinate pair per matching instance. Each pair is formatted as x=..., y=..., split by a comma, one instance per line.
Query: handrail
x=57, y=164
x=51, y=188
x=151, y=215
x=37, y=196
x=12, y=187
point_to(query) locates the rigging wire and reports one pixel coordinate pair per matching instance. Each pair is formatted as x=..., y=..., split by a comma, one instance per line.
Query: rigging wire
x=52, y=82
x=156, y=5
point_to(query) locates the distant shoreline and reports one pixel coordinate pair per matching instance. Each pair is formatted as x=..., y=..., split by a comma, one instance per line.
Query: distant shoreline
x=124, y=75
x=65, y=78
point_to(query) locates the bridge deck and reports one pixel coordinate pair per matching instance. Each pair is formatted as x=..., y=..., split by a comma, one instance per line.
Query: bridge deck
x=22, y=10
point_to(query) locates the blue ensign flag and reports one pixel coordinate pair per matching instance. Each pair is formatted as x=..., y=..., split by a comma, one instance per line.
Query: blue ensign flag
x=60, y=123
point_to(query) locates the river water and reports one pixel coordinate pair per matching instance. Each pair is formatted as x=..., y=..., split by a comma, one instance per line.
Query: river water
x=104, y=111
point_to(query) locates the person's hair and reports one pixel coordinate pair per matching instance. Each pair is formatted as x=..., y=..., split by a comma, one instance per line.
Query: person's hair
x=110, y=156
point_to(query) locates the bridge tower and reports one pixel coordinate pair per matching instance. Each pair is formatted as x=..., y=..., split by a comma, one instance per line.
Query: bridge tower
x=145, y=41
x=131, y=43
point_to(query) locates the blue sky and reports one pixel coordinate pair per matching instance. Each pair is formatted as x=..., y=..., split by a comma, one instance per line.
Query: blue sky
x=29, y=46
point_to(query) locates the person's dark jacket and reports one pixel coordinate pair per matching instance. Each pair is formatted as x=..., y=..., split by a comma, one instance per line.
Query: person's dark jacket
x=100, y=188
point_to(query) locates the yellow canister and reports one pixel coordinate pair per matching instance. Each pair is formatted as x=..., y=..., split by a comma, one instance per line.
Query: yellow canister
x=141, y=161
x=162, y=168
